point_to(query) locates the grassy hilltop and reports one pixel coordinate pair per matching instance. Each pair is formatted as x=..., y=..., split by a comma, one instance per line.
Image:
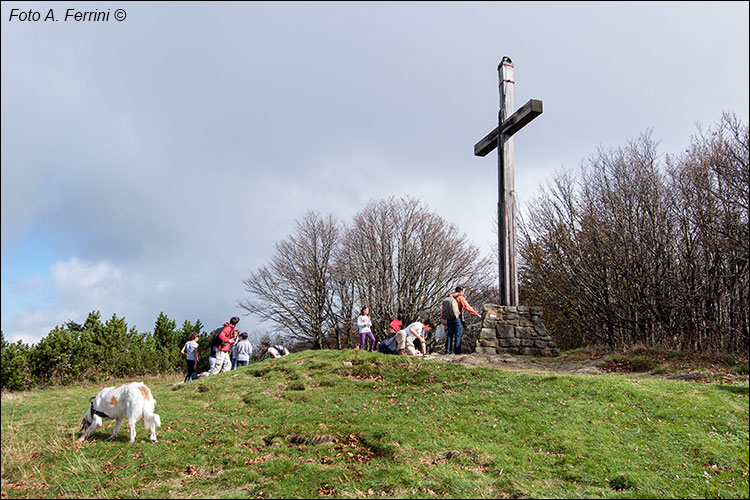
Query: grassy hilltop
x=352, y=424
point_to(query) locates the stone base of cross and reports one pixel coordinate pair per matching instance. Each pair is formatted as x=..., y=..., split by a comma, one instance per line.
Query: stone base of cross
x=502, y=138
x=512, y=330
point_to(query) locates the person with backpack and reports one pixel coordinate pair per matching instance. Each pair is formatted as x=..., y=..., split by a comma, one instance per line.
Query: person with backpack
x=223, y=342
x=190, y=351
x=212, y=343
x=453, y=308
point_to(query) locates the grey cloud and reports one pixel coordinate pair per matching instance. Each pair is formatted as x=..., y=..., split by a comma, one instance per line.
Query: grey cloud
x=185, y=141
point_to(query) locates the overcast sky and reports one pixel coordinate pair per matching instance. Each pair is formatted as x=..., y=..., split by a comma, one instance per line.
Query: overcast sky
x=150, y=164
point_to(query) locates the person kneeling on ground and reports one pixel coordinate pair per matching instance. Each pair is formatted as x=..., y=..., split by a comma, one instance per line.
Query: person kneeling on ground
x=415, y=331
x=388, y=346
x=275, y=351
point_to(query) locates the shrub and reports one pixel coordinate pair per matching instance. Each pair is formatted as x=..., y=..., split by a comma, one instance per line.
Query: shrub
x=16, y=374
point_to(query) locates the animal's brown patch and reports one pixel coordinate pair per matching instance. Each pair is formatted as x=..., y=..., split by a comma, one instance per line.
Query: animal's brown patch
x=119, y=386
x=144, y=391
x=113, y=401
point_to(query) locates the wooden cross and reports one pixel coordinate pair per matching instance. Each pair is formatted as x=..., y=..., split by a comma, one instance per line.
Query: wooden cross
x=502, y=139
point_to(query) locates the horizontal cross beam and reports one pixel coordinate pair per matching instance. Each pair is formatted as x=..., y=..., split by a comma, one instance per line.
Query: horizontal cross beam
x=513, y=124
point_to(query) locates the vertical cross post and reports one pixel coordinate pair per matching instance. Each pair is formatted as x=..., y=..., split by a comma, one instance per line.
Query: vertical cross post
x=506, y=214
x=509, y=122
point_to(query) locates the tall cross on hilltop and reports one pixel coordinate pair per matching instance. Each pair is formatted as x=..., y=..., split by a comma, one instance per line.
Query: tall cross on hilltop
x=502, y=139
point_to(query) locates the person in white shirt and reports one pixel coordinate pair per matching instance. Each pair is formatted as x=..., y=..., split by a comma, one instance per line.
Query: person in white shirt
x=365, y=329
x=416, y=331
x=243, y=350
x=190, y=351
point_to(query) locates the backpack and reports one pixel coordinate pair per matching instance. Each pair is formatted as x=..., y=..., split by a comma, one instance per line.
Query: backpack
x=450, y=308
x=283, y=351
x=216, y=340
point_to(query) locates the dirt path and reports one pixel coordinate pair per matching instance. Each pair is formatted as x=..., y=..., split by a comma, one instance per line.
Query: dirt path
x=525, y=363
x=532, y=364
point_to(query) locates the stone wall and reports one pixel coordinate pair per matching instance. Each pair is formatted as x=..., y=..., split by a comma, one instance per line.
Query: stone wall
x=514, y=330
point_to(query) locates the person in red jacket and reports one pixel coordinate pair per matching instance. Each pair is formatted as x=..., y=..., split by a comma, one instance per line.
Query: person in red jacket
x=227, y=336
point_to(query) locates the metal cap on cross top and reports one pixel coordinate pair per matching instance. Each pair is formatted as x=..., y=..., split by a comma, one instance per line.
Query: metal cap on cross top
x=501, y=137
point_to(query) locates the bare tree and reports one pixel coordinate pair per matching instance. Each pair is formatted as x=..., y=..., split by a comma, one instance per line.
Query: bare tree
x=294, y=290
x=711, y=180
x=627, y=253
x=402, y=259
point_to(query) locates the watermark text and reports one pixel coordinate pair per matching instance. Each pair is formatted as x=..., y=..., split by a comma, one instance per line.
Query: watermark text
x=69, y=15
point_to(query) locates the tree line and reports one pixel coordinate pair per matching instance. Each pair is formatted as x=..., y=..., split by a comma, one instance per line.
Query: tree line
x=632, y=249
x=636, y=249
x=97, y=350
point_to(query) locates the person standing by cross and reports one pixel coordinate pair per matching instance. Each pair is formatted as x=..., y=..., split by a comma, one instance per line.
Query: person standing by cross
x=454, y=327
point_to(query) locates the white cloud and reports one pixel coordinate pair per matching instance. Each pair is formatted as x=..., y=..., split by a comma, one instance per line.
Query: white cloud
x=81, y=287
x=76, y=280
x=31, y=326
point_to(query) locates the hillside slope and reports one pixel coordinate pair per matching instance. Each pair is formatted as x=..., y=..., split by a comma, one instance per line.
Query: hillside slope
x=352, y=424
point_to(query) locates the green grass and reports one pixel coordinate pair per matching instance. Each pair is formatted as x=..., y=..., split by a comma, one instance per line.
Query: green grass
x=308, y=426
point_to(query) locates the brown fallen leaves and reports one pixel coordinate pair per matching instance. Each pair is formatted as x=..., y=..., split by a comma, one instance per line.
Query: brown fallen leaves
x=25, y=484
x=326, y=491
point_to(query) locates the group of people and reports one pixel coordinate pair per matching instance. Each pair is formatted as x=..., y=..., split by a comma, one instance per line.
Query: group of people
x=402, y=341
x=230, y=349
